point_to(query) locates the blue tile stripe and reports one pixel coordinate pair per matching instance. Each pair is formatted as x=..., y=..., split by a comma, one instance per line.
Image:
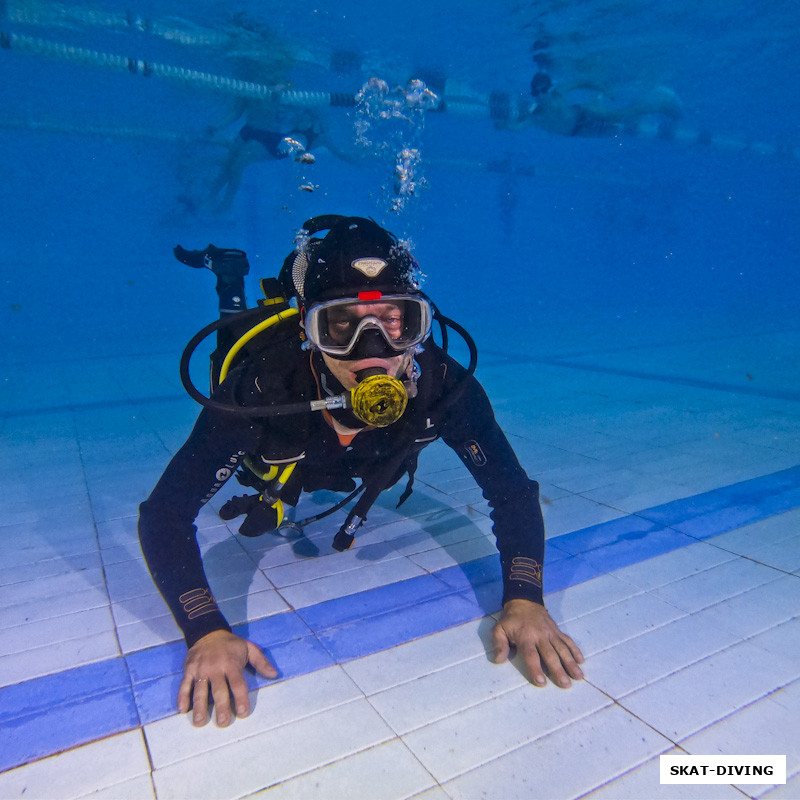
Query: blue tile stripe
x=574, y=362
x=769, y=392
x=46, y=715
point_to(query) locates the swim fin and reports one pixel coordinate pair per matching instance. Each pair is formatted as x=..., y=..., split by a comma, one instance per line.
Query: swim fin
x=225, y=262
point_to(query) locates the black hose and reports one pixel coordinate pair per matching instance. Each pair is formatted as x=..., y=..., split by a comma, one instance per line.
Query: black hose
x=453, y=395
x=207, y=402
x=341, y=504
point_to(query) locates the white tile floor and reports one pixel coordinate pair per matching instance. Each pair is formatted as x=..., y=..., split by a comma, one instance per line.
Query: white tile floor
x=693, y=651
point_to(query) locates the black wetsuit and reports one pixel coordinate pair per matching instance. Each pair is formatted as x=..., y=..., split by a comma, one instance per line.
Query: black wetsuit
x=283, y=373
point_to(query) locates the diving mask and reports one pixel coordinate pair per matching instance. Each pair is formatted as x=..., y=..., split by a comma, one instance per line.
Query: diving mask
x=395, y=323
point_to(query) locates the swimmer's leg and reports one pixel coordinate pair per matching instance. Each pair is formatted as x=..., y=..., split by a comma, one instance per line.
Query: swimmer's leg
x=243, y=154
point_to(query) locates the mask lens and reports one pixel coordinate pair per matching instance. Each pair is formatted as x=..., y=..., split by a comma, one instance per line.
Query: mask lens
x=336, y=327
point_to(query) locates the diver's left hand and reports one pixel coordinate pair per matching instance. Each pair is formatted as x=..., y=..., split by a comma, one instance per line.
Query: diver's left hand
x=543, y=646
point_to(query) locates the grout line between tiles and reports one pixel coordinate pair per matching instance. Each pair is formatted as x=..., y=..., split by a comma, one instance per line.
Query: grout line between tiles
x=724, y=494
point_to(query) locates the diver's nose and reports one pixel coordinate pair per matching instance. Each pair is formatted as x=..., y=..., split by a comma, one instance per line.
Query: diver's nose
x=371, y=344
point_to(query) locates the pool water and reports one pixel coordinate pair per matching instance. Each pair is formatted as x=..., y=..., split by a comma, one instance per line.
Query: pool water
x=633, y=298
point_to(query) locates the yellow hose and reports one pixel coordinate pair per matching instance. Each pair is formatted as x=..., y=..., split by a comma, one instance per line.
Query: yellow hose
x=253, y=332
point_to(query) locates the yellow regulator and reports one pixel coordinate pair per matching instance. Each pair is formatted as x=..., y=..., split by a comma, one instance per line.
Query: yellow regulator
x=379, y=400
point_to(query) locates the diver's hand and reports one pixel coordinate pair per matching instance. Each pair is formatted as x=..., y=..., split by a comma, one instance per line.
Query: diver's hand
x=214, y=669
x=531, y=629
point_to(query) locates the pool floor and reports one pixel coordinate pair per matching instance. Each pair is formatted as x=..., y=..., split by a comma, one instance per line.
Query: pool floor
x=671, y=490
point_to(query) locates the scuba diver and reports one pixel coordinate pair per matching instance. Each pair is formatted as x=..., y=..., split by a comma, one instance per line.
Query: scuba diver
x=333, y=377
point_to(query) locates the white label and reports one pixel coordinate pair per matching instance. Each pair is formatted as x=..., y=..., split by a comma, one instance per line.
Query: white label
x=371, y=267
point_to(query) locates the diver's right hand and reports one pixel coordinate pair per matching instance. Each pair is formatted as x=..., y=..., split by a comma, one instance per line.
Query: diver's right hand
x=214, y=670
